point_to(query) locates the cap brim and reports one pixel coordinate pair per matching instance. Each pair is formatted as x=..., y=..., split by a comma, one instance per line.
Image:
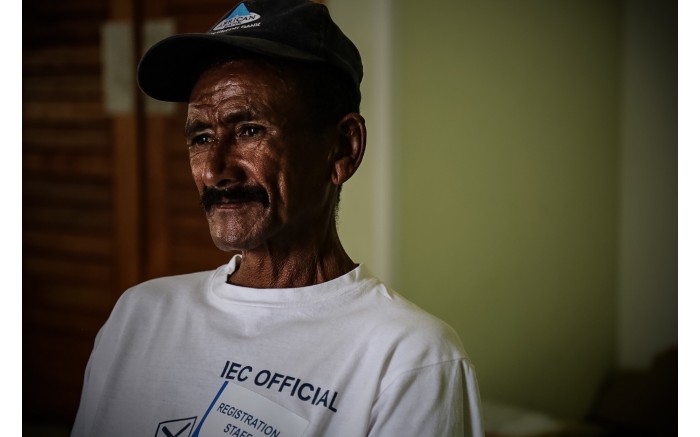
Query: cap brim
x=170, y=68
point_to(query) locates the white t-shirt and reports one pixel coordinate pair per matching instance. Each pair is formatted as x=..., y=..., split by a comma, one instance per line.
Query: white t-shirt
x=191, y=356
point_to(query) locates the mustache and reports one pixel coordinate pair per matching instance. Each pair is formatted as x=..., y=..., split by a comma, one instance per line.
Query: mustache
x=238, y=194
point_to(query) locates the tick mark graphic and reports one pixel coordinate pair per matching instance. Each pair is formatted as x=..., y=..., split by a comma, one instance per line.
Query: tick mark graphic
x=168, y=433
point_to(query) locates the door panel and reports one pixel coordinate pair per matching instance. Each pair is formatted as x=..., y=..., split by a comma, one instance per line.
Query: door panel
x=107, y=199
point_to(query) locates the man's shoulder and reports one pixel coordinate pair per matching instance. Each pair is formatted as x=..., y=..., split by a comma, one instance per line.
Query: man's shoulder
x=164, y=290
x=395, y=319
x=174, y=281
x=423, y=325
x=171, y=284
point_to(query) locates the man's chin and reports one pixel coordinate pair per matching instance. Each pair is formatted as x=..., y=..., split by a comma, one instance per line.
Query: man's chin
x=230, y=240
x=231, y=245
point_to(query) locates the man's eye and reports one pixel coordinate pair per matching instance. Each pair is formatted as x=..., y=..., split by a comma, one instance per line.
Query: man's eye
x=200, y=140
x=250, y=130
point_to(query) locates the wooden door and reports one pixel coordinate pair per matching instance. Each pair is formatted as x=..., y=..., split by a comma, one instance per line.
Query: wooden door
x=107, y=197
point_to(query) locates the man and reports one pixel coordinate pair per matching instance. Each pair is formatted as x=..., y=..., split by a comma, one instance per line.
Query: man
x=291, y=338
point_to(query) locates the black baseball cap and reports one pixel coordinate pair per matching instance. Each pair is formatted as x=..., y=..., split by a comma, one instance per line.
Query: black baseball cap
x=287, y=29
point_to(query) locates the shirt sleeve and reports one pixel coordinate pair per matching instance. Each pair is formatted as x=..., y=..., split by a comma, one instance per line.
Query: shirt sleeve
x=436, y=400
x=80, y=425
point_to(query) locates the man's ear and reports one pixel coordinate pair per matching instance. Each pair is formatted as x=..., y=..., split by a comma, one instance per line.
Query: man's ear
x=350, y=147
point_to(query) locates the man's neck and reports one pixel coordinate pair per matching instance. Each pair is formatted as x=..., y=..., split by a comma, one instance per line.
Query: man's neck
x=291, y=267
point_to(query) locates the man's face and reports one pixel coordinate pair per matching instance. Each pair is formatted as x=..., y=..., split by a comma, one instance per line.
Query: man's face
x=259, y=163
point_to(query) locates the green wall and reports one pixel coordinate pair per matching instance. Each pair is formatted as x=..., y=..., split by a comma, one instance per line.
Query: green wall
x=520, y=182
x=365, y=215
x=647, y=310
x=506, y=158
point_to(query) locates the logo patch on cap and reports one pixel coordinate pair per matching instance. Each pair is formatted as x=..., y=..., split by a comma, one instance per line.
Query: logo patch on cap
x=240, y=16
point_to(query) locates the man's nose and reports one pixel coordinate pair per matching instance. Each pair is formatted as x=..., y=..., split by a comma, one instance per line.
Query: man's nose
x=222, y=166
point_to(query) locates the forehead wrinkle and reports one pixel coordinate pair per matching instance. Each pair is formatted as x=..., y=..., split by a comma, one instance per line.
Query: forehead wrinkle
x=262, y=91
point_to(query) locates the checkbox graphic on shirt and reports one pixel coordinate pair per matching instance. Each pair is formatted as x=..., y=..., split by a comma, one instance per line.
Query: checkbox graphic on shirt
x=176, y=428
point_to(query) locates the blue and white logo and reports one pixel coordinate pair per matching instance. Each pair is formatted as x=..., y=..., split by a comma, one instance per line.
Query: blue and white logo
x=240, y=16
